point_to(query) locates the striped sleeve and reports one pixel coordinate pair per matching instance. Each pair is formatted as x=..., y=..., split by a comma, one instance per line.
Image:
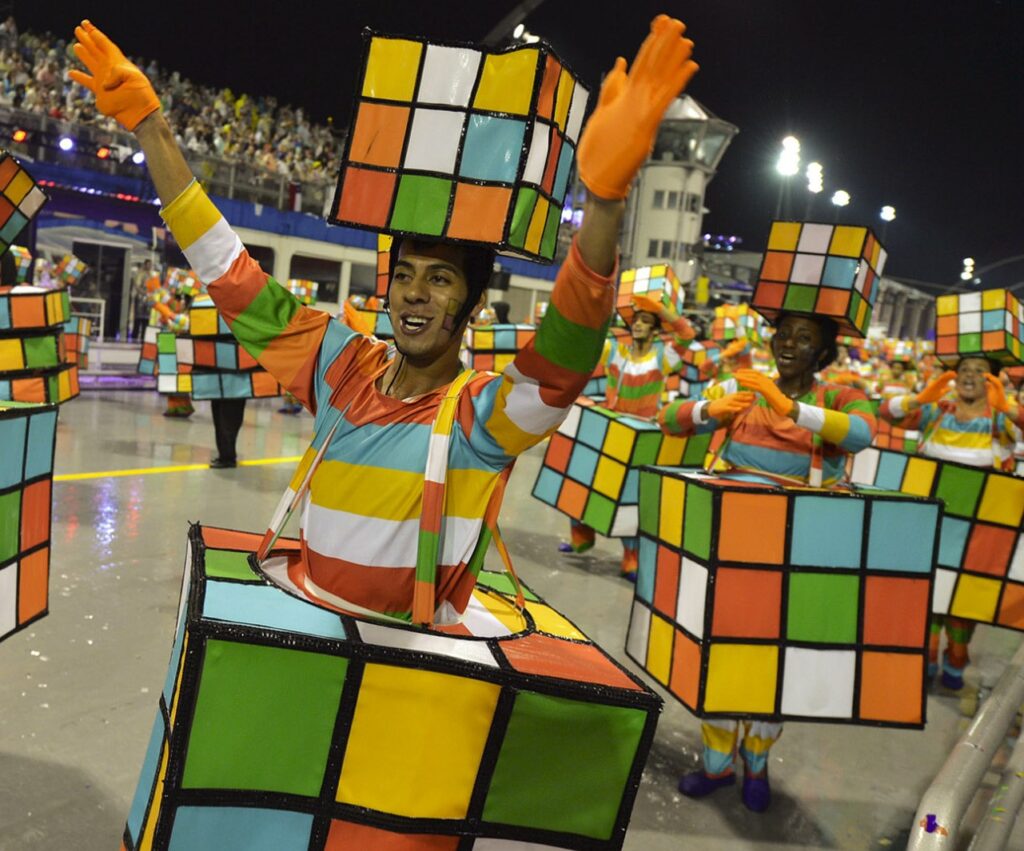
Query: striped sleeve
x=683, y=417
x=283, y=335
x=894, y=410
x=845, y=421
x=538, y=388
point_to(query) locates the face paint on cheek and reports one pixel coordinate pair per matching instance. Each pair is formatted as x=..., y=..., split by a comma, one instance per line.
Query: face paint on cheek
x=454, y=306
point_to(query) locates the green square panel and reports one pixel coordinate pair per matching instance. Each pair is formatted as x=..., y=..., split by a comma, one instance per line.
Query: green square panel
x=969, y=343
x=650, y=492
x=244, y=734
x=822, y=608
x=800, y=298
x=225, y=564
x=960, y=489
x=41, y=351
x=422, y=204
x=550, y=238
x=10, y=524
x=526, y=200
x=645, y=449
x=165, y=343
x=550, y=738
x=696, y=448
x=697, y=521
x=599, y=512
x=502, y=582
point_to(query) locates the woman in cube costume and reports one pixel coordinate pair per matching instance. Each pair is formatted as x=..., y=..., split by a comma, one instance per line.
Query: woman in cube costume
x=636, y=379
x=361, y=526
x=976, y=425
x=793, y=429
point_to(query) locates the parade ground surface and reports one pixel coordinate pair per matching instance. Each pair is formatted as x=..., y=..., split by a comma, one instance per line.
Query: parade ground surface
x=79, y=688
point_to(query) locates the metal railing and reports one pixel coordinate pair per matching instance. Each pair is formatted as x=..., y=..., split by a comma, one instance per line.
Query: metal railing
x=943, y=805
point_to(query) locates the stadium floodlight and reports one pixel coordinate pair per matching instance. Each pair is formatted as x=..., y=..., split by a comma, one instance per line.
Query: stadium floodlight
x=888, y=213
x=841, y=198
x=138, y=158
x=66, y=144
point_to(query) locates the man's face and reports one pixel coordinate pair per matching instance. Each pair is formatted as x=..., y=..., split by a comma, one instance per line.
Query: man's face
x=897, y=369
x=970, y=379
x=427, y=291
x=796, y=346
x=643, y=325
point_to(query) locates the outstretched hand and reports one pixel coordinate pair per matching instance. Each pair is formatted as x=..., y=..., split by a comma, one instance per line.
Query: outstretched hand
x=936, y=388
x=776, y=399
x=620, y=133
x=729, y=405
x=122, y=91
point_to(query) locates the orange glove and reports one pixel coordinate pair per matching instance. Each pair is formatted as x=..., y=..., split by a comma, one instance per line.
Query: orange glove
x=649, y=305
x=996, y=394
x=776, y=399
x=936, y=389
x=734, y=348
x=620, y=134
x=707, y=369
x=122, y=91
x=730, y=405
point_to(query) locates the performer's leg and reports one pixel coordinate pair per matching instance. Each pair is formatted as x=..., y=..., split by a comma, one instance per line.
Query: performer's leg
x=178, y=405
x=758, y=738
x=719, y=737
x=227, y=420
x=581, y=540
x=934, y=636
x=630, y=554
x=956, y=657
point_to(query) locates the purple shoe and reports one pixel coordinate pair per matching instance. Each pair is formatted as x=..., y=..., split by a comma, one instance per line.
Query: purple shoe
x=951, y=682
x=697, y=784
x=757, y=794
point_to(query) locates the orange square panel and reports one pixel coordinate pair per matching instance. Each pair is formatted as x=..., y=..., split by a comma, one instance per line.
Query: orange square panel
x=748, y=603
x=753, y=528
x=479, y=212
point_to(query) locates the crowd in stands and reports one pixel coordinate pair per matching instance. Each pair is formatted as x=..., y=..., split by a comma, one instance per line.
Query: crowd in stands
x=209, y=122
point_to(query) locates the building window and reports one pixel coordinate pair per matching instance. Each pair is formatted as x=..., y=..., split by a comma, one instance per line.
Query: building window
x=666, y=249
x=324, y=272
x=673, y=200
x=693, y=204
x=659, y=199
x=652, y=248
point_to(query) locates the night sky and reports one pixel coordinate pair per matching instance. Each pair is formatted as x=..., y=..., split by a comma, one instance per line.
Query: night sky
x=918, y=105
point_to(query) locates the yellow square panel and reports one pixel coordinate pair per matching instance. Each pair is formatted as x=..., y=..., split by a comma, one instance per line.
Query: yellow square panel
x=658, y=271
x=784, y=236
x=185, y=383
x=919, y=476
x=536, y=230
x=628, y=275
x=506, y=84
x=410, y=724
x=10, y=355
x=670, y=453
x=847, y=241
x=618, y=442
x=19, y=187
x=1002, y=501
x=659, y=650
x=608, y=478
x=501, y=361
x=54, y=308
x=975, y=598
x=946, y=305
x=993, y=299
x=483, y=340
x=741, y=678
x=862, y=310
x=203, y=322
x=563, y=99
x=64, y=384
x=670, y=518
x=548, y=620
x=391, y=69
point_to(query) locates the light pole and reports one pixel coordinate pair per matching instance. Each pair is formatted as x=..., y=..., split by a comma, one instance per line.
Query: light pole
x=787, y=166
x=887, y=215
x=841, y=199
x=815, y=184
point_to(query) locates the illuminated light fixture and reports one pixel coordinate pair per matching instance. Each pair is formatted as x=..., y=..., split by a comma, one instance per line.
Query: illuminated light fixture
x=103, y=152
x=815, y=178
x=968, y=271
x=66, y=143
x=841, y=198
x=789, y=159
x=888, y=213
x=19, y=135
x=138, y=158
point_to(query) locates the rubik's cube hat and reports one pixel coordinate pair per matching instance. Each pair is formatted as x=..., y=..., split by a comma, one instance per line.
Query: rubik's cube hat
x=21, y=199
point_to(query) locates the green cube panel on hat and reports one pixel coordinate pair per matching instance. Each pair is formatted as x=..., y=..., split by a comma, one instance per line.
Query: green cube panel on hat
x=462, y=144
x=763, y=601
x=821, y=269
x=655, y=282
x=27, y=438
x=20, y=199
x=984, y=323
x=980, y=560
x=592, y=464
x=522, y=732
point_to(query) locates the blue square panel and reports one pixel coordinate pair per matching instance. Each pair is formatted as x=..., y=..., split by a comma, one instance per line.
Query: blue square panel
x=562, y=175
x=266, y=606
x=41, y=432
x=5, y=314
x=647, y=565
x=593, y=427
x=952, y=541
x=235, y=385
x=14, y=226
x=841, y=520
x=239, y=829
x=992, y=320
x=206, y=385
x=149, y=768
x=227, y=356
x=505, y=339
x=492, y=149
x=12, y=450
x=839, y=272
x=630, y=490
x=901, y=535
x=582, y=464
x=548, y=486
x=890, y=471
x=167, y=364
x=5, y=391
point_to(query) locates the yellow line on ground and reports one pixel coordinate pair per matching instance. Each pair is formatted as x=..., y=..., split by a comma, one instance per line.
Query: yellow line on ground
x=181, y=468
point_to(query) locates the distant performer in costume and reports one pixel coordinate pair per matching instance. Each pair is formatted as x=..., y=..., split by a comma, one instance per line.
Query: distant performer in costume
x=976, y=425
x=796, y=430
x=636, y=378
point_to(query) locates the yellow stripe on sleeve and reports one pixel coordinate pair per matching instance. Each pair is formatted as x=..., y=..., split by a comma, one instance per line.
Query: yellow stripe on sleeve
x=190, y=215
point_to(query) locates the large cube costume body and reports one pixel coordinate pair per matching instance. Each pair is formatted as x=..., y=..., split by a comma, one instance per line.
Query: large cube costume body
x=591, y=466
x=33, y=364
x=283, y=726
x=760, y=601
x=27, y=438
x=77, y=332
x=980, y=563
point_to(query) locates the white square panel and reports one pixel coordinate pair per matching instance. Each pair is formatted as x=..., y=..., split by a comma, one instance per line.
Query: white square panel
x=434, y=140
x=167, y=383
x=882, y=257
x=643, y=273
x=639, y=631
x=31, y=203
x=448, y=75
x=488, y=844
x=815, y=238
x=571, y=423
x=538, y=156
x=576, y=111
x=1016, y=570
x=970, y=301
x=693, y=589
x=970, y=323
x=8, y=598
x=626, y=523
x=942, y=593
x=807, y=268
x=1008, y=324
x=862, y=273
x=865, y=466
x=819, y=683
x=425, y=642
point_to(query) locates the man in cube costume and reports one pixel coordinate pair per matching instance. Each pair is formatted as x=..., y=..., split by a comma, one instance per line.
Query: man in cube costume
x=796, y=430
x=636, y=379
x=976, y=425
x=361, y=526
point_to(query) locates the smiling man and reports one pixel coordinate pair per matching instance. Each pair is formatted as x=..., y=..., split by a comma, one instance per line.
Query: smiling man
x=364, y=547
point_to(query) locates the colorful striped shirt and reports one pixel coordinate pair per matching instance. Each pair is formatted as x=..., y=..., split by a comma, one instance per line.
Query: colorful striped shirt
x=360, y=526
x=764, y=441
x=636, y=382
x=977, y=441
